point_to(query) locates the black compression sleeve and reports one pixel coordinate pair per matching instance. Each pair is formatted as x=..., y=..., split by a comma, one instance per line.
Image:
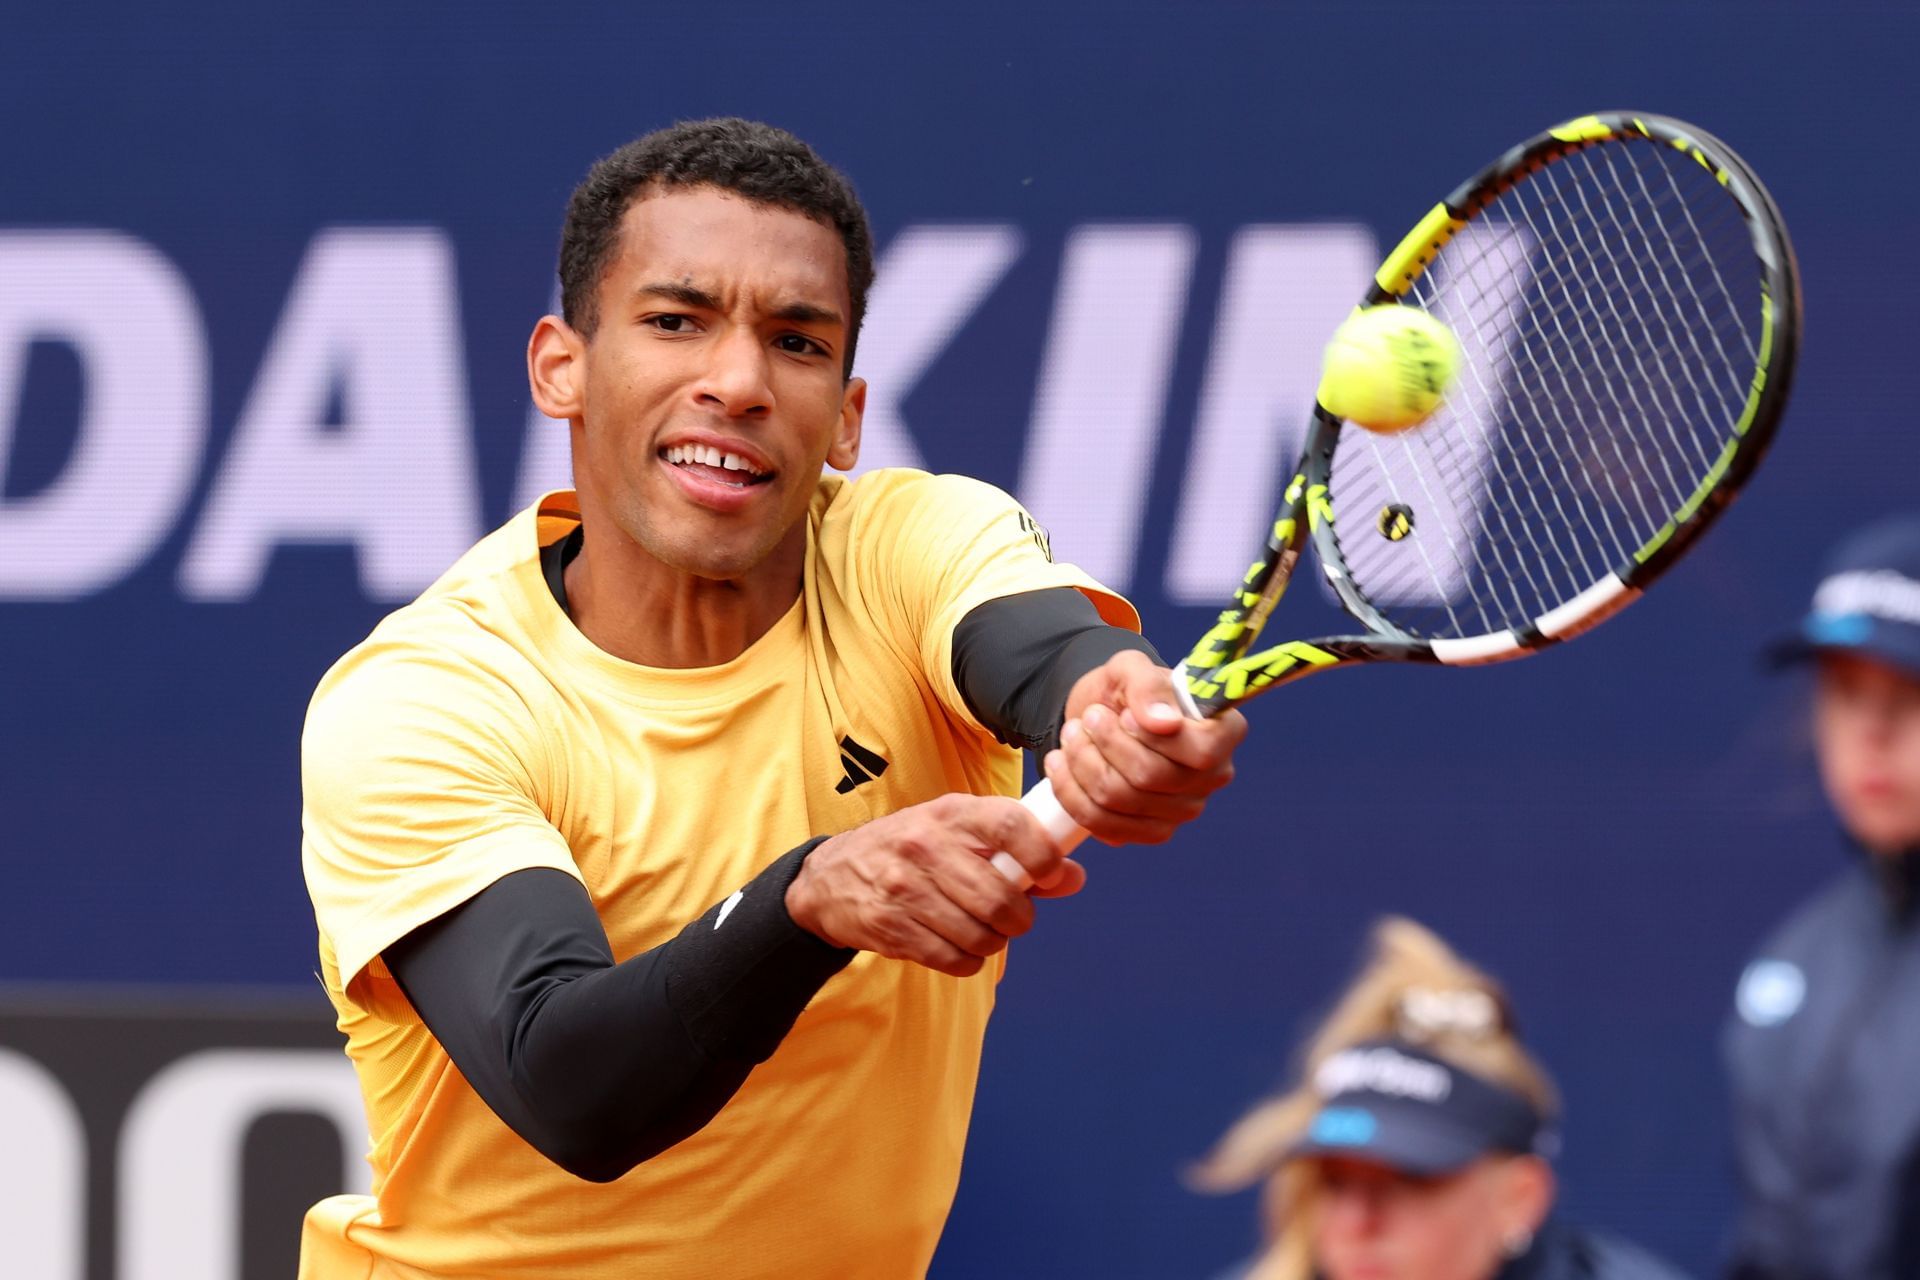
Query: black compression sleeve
x=597, y=1065
x=1015, y=660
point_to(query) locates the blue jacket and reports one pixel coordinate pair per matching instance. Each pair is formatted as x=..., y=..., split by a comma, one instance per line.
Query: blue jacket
x=1823, y=1052
x=1561, y=1252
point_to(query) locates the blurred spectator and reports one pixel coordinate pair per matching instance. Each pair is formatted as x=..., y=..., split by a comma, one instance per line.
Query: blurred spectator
x=1824, y=1043
x=1416, y=1147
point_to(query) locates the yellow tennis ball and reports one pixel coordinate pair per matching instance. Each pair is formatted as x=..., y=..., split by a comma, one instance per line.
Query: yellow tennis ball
x=1388, y=367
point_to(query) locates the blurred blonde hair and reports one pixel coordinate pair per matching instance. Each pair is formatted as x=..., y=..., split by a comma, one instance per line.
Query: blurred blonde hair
x=1413, y=987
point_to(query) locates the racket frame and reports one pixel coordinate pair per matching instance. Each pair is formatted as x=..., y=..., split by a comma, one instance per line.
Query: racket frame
x=1220, y=671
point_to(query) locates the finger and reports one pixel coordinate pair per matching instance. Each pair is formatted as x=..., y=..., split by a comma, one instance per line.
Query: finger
x=977, y=888
x=1101, y=823
x=1146, y=689
x=954, y=921
x=1068, y=793
x=911, y=900
x=1107, y=786
x=1071, y=878
x=1141, y=763
x=908, y=939
x=997, y=824
x=1196, y=744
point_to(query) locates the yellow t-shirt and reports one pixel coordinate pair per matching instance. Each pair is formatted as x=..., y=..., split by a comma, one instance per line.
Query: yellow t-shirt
x=476, y=732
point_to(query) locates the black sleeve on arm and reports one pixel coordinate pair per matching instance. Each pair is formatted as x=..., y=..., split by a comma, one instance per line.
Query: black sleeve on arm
x=597, y=1065
x=1015, y=660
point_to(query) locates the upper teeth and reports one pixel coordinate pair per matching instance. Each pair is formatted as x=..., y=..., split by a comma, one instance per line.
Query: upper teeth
x=712, y=457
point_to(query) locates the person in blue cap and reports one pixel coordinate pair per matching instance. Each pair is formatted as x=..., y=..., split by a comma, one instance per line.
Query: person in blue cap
x=1823, y=1047
x=1417, y=1144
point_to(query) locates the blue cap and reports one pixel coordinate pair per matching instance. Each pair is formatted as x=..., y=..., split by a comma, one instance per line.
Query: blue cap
x=1389, y=1103
x=1868, y=602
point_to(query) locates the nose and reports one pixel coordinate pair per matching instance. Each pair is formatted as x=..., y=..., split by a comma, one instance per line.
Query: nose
x=1354, y=1212
x=735, y=379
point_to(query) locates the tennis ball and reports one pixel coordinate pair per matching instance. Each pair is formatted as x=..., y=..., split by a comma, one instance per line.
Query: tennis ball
x=1387, y=367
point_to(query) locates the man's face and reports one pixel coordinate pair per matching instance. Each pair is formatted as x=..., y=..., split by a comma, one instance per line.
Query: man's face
x=713, y=391
x=1867, y=726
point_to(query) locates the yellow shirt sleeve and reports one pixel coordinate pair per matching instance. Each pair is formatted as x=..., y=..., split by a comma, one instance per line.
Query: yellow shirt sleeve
x=935, y=547
x=422, y=775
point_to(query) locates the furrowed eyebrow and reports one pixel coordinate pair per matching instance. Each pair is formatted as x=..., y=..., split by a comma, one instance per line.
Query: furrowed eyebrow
x=807, y=313
x=684, y=294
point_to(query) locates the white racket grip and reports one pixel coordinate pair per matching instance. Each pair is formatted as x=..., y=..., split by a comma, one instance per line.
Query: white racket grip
x=1066, y=833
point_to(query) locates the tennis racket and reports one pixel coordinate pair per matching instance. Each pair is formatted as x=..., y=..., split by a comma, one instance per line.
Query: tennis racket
x=1628, y=311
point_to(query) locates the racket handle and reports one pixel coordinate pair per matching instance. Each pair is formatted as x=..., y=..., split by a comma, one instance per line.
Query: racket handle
x=1066, y=833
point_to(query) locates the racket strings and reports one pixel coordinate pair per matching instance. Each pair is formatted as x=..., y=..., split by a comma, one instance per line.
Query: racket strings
x=1677, y=276
x=1447, y=470
x=1456, y=466
x=1726, y=212
x=1429, y=497
x=1602, y=288
x=1583, y=269
x=1498, y=472
x=1535, y=459
x=1608, y=308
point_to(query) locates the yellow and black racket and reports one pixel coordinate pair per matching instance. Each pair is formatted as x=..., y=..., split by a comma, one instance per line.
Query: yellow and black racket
x=1628, y=311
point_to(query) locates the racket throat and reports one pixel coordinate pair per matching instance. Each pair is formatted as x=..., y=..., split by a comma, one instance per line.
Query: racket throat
x=1276, y=586
x=1206, y=692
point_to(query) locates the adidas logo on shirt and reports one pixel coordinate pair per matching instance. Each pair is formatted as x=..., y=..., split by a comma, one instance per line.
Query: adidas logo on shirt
x=862, y=765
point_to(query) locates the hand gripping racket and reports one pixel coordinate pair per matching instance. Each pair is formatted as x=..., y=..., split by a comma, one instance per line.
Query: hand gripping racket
x=1628, y=312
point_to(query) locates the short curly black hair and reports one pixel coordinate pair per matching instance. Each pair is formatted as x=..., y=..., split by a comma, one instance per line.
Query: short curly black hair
x=758, y=161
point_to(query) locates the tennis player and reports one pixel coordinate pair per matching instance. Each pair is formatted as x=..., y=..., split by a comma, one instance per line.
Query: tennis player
x=1823, y=1045
x=1416, y=1146
x=649, y=846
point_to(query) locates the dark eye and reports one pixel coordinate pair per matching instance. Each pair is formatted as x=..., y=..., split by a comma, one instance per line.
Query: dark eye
x=799, y=345
x=670, y=323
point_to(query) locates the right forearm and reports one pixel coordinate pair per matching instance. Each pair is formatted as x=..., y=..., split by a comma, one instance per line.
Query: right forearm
x=600, y=1065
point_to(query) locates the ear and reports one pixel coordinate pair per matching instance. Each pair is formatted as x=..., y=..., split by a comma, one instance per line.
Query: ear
x=557, y=369
x=1530, y=1193
x=845, y=450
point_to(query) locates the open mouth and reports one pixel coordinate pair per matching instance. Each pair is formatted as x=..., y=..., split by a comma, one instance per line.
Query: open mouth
x=716, y=465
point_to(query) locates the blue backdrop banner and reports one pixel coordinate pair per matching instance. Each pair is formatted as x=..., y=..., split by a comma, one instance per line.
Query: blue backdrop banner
x=266, y=280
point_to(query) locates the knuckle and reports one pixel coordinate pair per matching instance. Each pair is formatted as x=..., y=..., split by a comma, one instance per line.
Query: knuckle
x=1162, y=774
x=1105, y=789
x=947, y=808
x=895, y=884
x=1129, y=769
x=983, y=941
x=1006, y=821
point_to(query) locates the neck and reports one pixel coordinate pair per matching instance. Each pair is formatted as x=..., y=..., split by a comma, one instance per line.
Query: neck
x=1898, y=874
x=647, y=612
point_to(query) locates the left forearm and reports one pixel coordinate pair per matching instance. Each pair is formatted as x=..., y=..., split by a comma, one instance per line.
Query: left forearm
x=1015, y=660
